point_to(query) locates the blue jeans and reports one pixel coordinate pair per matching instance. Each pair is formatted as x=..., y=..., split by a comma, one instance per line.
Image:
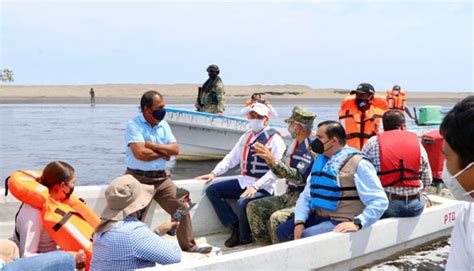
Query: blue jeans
x=51, y=261
x=314, y=225
x=405, y=208
x=219, y=192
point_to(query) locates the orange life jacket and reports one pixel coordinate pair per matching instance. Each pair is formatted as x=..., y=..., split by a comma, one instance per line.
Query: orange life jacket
x=396, y=101
x=249, y=102
x=361, y=125
x=399, y=159
x=70, y=223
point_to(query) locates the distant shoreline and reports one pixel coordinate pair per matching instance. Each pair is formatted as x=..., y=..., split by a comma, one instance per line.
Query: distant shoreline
x=186, y=100
x=186, y=94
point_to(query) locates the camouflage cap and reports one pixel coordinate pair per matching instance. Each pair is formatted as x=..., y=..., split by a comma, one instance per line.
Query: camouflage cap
x=301, y=115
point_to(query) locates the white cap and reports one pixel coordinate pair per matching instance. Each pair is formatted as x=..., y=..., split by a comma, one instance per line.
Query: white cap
x=260, y=109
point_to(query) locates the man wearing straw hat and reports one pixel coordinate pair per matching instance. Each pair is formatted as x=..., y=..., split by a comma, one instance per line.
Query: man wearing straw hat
x=122, y=241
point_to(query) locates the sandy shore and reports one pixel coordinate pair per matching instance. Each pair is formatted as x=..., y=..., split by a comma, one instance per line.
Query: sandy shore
x=186, y=94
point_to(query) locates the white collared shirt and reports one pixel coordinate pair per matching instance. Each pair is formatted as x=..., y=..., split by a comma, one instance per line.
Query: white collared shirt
x=234, y=157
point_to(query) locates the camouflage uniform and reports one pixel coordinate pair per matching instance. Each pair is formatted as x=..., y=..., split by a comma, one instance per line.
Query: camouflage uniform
x=266, y=214
x=212, y=98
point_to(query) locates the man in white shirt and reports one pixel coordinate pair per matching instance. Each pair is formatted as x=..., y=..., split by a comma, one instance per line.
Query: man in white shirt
x=256, y=179
x=457, y=129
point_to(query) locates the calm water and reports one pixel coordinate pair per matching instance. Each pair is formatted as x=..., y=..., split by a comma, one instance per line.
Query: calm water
x=91, y=139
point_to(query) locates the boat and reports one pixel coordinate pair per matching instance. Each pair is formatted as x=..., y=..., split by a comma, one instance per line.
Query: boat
x=204, y=136
x=197, y=132
x=329, y=251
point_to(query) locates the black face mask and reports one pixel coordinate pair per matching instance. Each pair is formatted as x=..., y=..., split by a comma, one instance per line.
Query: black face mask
x=362, y=104
x=318, y=146
x=68, y=194
x=159, y=114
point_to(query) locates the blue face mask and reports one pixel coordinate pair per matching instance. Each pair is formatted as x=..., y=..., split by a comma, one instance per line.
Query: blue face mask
x=159, y=114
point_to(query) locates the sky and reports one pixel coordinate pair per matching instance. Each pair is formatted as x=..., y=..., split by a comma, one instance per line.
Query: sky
x=421, y=45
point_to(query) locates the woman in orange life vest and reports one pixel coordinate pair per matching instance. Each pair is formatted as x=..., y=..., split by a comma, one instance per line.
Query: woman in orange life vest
x=361, y=116
x=396, y=99
x=30, y=233
x=257, y=98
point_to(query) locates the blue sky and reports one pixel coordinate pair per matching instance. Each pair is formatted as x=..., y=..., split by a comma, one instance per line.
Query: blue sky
x=421, y=45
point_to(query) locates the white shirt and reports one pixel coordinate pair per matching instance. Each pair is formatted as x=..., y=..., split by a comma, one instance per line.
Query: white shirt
x=234, y=157
x=34, y=238
x=460, y=255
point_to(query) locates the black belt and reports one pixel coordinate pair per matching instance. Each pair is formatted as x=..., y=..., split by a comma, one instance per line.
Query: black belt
x=296, y=188
x=149, y=173
x=392, y=196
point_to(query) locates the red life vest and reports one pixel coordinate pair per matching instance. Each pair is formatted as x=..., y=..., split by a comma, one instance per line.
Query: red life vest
x=399, y=159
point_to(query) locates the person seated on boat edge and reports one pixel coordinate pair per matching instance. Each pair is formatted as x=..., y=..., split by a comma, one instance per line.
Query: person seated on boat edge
x=34, y=224
x=122, y=241
x=343, y=192
x=149, y=143
x=402, y=165
x=49, y=261
x=361, y=115
x=396, y=99
x=211, y=96
x=257, y=98
x=457, y=129
x=256, y=179
x=267, y=213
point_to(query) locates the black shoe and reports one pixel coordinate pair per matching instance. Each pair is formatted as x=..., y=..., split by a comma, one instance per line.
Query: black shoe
x=234, y=239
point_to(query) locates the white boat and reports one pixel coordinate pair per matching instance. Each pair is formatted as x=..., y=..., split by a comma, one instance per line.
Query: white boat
x=330, y=251
x=204, y=136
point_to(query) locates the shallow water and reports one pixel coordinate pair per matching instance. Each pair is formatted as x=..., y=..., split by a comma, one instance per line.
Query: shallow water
x=91, y=139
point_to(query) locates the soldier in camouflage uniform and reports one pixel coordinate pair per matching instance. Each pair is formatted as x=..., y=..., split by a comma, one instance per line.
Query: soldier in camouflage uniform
x=266, y=214
x=211, y=95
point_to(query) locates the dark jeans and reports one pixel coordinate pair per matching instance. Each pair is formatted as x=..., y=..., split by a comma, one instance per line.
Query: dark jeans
x=314, y=225
x=230, y=189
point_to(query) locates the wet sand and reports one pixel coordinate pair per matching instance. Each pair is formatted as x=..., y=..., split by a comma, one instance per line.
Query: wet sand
x=186, y=93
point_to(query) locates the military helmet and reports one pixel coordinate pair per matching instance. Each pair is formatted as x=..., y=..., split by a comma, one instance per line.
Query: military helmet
x=213, y=68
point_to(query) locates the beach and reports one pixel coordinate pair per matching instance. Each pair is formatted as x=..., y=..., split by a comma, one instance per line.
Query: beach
x=186, y=94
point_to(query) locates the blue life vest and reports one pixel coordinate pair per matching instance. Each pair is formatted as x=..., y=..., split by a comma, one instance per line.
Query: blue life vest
x=255, y=166
x=325, y=187
x=301, y=159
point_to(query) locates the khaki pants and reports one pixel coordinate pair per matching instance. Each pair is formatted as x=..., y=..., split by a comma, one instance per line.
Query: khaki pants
x=9, y=249
x=165, y=196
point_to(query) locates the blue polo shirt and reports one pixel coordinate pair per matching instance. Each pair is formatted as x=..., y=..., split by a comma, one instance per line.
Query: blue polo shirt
x=139, y=130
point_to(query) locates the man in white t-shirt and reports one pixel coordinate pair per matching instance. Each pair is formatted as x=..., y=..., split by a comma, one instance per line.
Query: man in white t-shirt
x=457, y=129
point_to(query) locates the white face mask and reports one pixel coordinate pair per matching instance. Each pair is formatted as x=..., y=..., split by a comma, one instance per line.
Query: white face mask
x=256, y=125
x=454, y=186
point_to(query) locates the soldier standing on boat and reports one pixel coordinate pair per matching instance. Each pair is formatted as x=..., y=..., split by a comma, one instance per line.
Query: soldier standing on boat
x=211, y=96
x=295, y=167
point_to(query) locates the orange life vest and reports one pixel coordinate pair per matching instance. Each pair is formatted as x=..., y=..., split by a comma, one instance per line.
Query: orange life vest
x=361, y=125
x=396, y=101
x=249, y=102
x=70, y=223
x=399, y=159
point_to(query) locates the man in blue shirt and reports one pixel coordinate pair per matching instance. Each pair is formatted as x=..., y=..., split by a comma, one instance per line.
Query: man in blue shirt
x=121, y=241
x=342, y=194
x=149, y=143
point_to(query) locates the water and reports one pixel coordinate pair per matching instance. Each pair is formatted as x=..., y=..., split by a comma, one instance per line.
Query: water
x=91, y=139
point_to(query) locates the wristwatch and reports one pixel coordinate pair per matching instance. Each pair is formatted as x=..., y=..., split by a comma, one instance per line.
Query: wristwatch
x=358, y=223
